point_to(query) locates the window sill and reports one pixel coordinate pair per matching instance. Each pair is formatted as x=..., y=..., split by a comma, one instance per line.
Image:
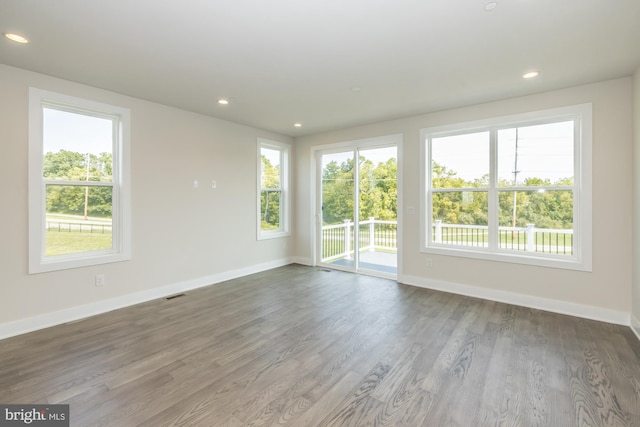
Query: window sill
x=65, y=262
x=561, y=262
x=265, y=235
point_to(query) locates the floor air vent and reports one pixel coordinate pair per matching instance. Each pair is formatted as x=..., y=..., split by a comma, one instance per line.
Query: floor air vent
x=175, y=296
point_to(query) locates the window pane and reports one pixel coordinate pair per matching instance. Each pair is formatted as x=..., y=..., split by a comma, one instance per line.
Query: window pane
x=273, y=203
x=460, y=218
x=337, y=188
x=270, y=209
x=270, y=173
x=460, y=161
x=539, y=155
x=77, y=147
x=378, y=184
x=536, y=221
x=78, y=219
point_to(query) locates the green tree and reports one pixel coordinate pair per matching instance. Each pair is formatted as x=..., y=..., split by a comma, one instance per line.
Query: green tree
x=64, y=165
x=378, y=190
x=463, y=207
x=270, y=195
x=544, y=209
x=337, y=192
x=73, y=166
x=383, y=197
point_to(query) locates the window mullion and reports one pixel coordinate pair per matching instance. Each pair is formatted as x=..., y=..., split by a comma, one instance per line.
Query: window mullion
x=78, y=183
x=493, y=192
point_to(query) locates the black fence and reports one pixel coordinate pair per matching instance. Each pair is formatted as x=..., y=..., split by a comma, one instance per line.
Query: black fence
x=78, y=227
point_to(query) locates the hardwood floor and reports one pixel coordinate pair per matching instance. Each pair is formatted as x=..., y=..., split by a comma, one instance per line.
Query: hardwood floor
x=301, y=346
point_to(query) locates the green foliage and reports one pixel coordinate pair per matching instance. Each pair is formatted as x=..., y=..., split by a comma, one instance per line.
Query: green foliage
x=378, y=190
x=72, y=166
x=64, y=165
x=270, y=195
x=545, y=209
x=548, y=209
x=70, y=200
x=467, y=207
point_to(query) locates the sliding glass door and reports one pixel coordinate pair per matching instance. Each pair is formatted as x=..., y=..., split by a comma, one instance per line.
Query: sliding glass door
x=358, y=209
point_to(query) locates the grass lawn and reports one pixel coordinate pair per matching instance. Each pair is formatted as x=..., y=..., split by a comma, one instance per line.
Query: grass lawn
x=64, y=242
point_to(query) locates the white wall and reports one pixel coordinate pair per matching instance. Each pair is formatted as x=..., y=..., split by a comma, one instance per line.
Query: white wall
x=182, y=237
x=602, y=294
x=185, y=238
x=635, y=319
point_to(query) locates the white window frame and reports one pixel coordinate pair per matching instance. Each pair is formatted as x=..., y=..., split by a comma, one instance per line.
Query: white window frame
x=121, y=206
x=285, y=185
x=582, y=189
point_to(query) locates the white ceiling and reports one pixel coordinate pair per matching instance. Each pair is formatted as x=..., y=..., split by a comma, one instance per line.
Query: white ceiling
x=287, y=61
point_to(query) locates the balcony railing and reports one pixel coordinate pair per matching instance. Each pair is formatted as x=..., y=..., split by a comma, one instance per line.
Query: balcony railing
x=375, y=235
x=379, y=235
x=529, y=238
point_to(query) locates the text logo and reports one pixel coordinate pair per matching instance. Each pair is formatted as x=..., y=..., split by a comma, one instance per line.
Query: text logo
x=34, y=415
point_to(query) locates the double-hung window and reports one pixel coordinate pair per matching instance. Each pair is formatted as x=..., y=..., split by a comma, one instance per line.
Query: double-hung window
x=515, y=189
x=79, y=211
x=273, y=185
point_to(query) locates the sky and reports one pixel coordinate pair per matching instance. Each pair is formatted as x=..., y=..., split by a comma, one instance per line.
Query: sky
x=272, y=155
x=376, y=155
x=544, y=151
x=76, y=132
x=379, y=155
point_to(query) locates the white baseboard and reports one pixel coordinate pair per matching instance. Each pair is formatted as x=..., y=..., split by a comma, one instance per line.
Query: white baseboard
x=539, y=303
x=635, y=325
x=302, y=261
x=46, y=320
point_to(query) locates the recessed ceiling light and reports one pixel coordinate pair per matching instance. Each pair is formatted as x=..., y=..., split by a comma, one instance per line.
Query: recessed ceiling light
x=16, y=38
x=490, y=6
x=530, y=75
x=223, y=101
x=298, y=125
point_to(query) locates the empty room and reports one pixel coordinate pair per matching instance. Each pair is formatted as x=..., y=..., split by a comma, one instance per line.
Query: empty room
x=339, y=213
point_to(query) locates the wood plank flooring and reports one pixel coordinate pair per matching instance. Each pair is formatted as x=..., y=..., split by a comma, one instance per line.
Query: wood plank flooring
x=301, y=346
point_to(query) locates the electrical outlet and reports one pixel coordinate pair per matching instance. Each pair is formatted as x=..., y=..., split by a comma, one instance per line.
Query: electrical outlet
x=214, y=184
x=100, y=280
x=429, y=262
